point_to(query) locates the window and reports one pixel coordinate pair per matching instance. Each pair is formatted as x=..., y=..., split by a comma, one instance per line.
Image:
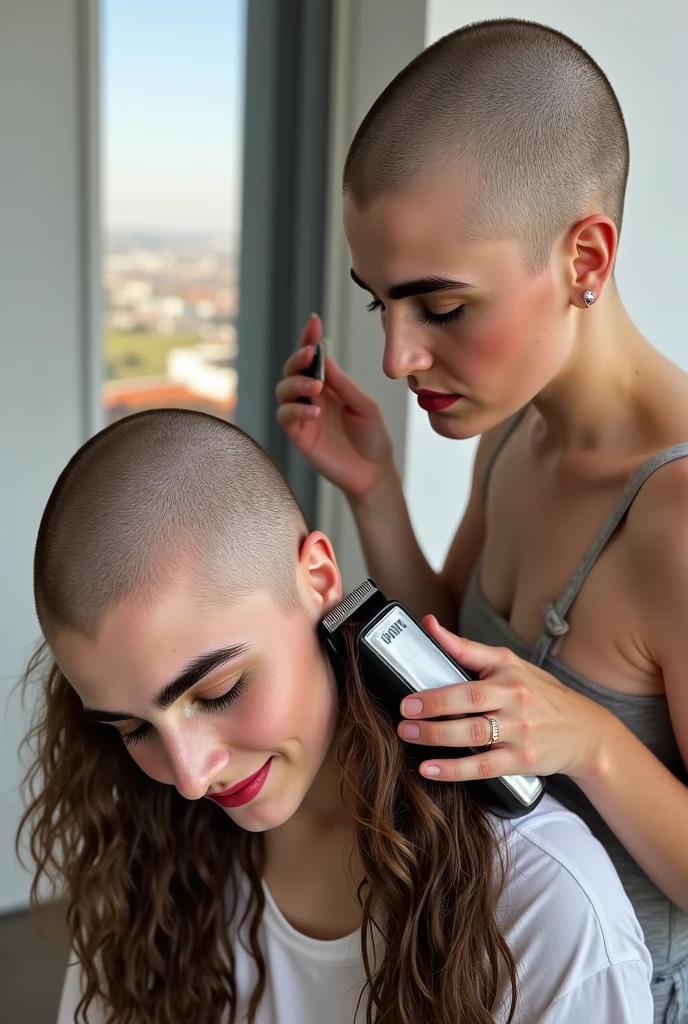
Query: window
x=172, y=145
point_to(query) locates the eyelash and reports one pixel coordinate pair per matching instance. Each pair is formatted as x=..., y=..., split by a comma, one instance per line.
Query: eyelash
x=209, y=707
x=427, y=317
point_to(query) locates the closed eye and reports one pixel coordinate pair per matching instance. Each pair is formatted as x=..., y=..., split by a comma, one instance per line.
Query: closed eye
x=130, y=738
x=426, y=315
x=208, y=706
x=438, y=319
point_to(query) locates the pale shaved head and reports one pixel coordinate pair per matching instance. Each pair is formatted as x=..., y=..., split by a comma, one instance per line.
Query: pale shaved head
x=157, y=497
x=517, y=111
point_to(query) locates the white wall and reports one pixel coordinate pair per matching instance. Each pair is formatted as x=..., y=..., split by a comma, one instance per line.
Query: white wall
x=42, y=404
x=643, y=52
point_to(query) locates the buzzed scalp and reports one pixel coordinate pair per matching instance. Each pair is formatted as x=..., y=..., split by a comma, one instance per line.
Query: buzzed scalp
x=521, y=105
x=156, y=496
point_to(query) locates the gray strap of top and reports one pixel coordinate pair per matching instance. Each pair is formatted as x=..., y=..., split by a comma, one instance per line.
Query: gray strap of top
x=554, y=618
x=508, y=430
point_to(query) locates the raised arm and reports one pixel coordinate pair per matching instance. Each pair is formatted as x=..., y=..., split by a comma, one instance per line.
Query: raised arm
x=395, y=559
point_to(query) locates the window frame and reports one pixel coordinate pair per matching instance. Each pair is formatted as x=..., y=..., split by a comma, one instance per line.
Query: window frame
x=283, y=235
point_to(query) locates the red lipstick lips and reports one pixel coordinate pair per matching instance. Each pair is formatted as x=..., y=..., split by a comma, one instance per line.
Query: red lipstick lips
x=245, y=791
x=435, y=401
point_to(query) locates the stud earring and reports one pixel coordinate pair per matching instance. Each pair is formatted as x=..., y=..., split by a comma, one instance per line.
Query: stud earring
x=588, y=298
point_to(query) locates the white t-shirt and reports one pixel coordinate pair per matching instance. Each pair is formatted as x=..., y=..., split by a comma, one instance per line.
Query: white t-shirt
x=577, y=945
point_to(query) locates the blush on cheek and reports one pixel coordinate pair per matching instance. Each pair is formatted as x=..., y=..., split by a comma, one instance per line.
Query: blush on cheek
x=483, y=355
x=494, y=342
x=511, y=349
x=296, y=703
x=264, y=720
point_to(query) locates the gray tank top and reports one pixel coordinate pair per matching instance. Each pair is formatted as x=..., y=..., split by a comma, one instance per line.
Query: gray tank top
x=664, y=925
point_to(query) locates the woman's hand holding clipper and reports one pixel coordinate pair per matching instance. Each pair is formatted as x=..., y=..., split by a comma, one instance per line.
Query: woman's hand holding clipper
x=341, y=432
x=544, y=727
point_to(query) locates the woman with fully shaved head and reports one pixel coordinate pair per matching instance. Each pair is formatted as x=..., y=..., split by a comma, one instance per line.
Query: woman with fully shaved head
x=483, y=201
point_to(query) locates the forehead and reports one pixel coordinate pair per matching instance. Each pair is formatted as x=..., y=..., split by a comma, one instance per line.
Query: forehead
x=141, y=646
x=422, y=232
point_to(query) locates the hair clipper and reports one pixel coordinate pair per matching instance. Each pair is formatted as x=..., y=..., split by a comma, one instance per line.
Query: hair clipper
x=397, y=657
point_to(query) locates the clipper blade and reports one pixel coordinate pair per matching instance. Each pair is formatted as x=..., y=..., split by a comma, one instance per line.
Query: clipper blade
x=348, y=605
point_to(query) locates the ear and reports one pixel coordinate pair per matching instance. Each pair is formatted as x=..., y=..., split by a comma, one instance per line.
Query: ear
x=591, y=248
x=318, y=575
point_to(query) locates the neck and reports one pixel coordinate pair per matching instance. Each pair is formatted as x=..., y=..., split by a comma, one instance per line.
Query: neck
x=322, y=810
x=312, y=867
x=597, y=400
x=323, y=801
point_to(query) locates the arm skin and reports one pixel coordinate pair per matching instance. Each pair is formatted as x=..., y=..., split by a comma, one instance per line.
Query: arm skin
x=393, y=555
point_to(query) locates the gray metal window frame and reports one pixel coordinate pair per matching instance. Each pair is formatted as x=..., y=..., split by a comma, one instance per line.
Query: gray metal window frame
x=89, y=26
x=284, y=216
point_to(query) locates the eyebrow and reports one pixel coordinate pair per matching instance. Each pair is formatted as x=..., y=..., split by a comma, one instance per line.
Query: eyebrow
x=421, y=286
x=188, y=677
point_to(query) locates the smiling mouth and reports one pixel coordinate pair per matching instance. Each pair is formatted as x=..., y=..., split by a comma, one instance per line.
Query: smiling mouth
x=245, y=791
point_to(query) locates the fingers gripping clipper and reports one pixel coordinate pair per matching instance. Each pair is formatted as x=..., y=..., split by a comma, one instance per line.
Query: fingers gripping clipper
x=397, y=657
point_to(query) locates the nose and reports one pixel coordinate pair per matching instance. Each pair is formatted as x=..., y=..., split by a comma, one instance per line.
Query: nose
x=194, y=766
x=405, y=351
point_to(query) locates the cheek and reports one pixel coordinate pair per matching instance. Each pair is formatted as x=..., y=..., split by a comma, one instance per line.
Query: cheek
x=515, y=339
x=292, y=707
x=296, y=704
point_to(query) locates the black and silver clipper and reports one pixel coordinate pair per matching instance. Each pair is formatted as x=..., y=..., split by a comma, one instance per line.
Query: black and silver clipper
x=397, y=657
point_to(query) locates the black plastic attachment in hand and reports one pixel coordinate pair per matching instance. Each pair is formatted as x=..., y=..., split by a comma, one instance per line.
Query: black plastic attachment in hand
x=315, y=370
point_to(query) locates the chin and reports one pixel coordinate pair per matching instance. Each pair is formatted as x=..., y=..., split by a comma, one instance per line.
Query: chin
x=455, y=428
x=249, y=825
x=262, y=816
x=471, y=422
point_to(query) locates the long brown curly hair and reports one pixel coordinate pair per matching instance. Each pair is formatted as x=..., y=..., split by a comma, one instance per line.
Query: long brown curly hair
x=146, y=875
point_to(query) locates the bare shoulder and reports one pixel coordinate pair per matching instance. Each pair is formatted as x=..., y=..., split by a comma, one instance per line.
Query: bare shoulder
x=655, y=546
x=657, y=526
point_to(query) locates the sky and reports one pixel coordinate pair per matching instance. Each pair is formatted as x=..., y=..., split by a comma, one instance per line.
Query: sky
x=172, y=99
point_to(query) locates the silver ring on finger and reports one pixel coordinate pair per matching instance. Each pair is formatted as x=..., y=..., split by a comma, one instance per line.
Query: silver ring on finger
x=494, y=730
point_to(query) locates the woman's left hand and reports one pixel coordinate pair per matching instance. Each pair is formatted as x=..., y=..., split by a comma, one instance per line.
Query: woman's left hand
x=544, y=727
